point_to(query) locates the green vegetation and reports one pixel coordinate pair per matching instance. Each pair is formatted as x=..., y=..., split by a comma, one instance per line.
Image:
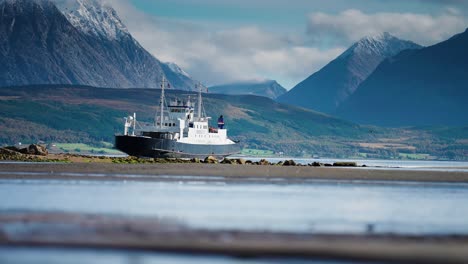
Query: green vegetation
x=257, y=152
x=84, y=148
x=414, y=156
x=92, y=116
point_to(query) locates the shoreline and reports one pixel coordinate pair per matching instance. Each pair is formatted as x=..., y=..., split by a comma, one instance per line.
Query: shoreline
x=228, y=172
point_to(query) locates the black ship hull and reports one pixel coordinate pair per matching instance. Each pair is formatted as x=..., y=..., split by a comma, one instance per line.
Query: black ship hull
x=141, y=146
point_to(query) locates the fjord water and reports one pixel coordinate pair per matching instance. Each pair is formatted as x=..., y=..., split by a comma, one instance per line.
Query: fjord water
x=311, y=206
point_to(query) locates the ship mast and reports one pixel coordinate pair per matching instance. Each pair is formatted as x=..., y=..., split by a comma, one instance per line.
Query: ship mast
x=163, y=85
x=199, y=101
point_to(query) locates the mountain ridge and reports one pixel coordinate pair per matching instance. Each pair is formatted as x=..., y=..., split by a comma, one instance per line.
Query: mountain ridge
x=268, y=88
x=423, y=87
x=327, y=88
x=40, y=45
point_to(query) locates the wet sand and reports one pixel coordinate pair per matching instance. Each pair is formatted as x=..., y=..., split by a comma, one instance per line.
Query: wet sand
x=114, y=232
x=109, y=171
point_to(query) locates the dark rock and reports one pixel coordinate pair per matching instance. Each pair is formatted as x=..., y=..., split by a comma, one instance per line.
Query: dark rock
x=226, y=161
x=345, y=164
x=289, y=163
x=12, y=148
x=34, y=150
x=264, y=162
x=241, y=161
x=328, y=165
x=316, y=164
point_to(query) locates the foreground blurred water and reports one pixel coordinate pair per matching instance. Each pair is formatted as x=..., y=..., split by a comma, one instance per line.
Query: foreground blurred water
x=80, y=256
x=312, y=206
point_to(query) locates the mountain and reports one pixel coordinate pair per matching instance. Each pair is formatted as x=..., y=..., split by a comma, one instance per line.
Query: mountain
x=72, y=42
x=82, y=114
x=268, y=88
x=419, y=87
x=178, y=77
x=326, y=89
x=97, y=114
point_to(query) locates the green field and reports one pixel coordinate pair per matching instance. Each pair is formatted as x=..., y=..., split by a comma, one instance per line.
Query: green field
x=84, y=148
x=257, y=152
x=414, y=156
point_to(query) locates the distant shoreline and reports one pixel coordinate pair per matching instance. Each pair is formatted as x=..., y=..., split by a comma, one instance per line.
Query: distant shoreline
x=239, y=173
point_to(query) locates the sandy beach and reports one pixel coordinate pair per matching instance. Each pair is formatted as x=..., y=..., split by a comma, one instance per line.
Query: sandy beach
x=109, y=171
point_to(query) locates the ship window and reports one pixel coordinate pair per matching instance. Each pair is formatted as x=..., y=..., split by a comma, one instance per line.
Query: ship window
x=165, y=124
x=173, y=124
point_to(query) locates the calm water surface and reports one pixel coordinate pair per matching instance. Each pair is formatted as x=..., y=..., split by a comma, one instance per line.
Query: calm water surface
x=317, y=206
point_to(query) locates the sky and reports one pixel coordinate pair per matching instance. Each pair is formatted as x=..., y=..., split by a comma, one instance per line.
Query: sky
x=225, y=41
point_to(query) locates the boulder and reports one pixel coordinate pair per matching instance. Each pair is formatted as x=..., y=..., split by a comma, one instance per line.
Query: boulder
x=345, y=164
x=316, y=164
x=35, y=150
x=241, y=161
x=289, y=163
x=264, y=162
x=211, y=160
x=227, y=161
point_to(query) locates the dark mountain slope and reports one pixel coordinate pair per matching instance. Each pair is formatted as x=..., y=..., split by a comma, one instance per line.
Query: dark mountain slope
x=326, y=89
x=421, y=87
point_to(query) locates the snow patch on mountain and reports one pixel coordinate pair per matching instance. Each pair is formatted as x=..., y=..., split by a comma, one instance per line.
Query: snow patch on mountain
x=176, y=69
x=384, y=45
x=93, y=17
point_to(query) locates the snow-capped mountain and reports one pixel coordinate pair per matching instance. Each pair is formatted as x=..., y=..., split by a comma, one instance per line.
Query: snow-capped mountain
x=425, y=87
x=176, y=69
x=326, y=89
x=178, y=77
x=93, y=17
x=81, y=42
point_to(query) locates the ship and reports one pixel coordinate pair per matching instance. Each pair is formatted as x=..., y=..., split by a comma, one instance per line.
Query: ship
x=176, y=132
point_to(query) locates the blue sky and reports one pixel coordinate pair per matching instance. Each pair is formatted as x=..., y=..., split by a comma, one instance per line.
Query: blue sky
x=220, y=41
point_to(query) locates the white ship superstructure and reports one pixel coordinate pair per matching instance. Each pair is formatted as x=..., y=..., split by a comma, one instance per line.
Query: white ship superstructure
x=176, y=132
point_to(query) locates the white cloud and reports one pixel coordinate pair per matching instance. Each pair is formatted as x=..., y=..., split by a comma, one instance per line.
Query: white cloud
x=351, y=25
x=221, y=56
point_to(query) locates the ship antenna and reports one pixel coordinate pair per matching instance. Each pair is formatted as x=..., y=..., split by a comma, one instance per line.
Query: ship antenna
x=163, y=85
x=199, y=101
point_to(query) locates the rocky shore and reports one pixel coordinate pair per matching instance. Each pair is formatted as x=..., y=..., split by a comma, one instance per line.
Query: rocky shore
x=38, y=153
